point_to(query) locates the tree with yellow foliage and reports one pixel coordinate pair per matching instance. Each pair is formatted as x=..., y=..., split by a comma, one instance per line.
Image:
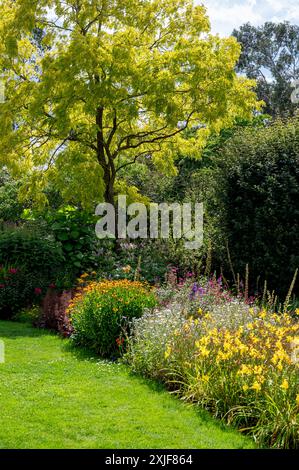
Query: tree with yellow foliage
x=92, y=86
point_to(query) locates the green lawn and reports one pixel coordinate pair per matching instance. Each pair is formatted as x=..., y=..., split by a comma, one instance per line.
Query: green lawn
x=52, y=398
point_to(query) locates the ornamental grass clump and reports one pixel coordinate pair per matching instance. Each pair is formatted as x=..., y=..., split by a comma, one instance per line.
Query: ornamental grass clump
x=101, y=313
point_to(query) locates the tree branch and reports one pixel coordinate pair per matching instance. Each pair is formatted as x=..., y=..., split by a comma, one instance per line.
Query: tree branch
x=154, y=139
x=54, y=25
x=55, y=152
x=146, y=152
x=114, y=129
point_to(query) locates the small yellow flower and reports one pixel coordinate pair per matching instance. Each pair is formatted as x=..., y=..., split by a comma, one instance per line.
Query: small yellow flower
x=167, y=352
x=258, y=370
x=284, y=385
x=256, y=386
x=245, y=388
x=244, y=370
x=297, y=311
x=203, y=351
x=297, y=399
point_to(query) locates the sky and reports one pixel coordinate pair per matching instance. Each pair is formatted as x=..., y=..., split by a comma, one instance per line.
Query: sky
x=225, y=15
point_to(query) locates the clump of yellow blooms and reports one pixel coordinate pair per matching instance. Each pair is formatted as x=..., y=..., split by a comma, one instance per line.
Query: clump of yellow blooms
x=254, y=363
x=102, y=311
x=252, y=351
x=87, y=286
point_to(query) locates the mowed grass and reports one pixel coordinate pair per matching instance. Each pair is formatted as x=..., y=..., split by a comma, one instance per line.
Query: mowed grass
x=53, y=398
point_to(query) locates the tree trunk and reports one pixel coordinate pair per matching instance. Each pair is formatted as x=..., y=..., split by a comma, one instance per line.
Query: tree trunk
x=109, y=180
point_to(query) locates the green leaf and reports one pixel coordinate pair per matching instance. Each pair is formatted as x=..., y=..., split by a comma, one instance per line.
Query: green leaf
x=63, y=236
x=68, y=246
x=75, y=234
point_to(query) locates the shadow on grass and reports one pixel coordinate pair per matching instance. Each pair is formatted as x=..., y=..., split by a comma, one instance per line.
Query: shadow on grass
x=13, y=330
x=204, y=416
x=157, y=386
x=81, y=353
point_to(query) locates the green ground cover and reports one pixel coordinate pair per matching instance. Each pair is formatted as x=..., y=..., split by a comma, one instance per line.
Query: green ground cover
x=53, y=397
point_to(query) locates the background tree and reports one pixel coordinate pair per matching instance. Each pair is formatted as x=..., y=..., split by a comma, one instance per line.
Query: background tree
x=107, y=83
x=270, y=54
x=10, y=208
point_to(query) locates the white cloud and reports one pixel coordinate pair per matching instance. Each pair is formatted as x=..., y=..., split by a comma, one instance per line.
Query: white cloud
x=225, y=15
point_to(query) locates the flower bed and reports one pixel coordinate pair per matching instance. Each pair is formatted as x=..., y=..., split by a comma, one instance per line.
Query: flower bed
x=239, y=363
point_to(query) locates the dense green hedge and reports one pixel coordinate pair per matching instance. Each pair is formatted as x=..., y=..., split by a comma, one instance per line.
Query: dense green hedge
x=29, y=263
x=32, y=251
x=257, y=201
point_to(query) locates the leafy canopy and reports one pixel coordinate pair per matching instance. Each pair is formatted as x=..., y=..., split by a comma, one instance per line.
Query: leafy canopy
x=270, y=54
x=93, y=86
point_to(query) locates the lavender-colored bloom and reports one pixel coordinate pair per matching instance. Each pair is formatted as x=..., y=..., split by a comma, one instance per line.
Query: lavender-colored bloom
x=202, y=291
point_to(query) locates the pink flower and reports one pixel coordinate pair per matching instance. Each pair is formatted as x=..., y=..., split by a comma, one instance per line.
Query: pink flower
x=37, y=291
x=2, y=286
x=13, y=270
x=52, y=286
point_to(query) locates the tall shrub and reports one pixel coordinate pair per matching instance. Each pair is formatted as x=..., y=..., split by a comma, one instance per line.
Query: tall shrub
x=257, y=194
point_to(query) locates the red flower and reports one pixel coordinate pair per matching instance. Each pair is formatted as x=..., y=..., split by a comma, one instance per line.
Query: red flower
x=120, y=341
x=37, y=291
x=52, y=286
x=13, y=270
x=2, y=286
